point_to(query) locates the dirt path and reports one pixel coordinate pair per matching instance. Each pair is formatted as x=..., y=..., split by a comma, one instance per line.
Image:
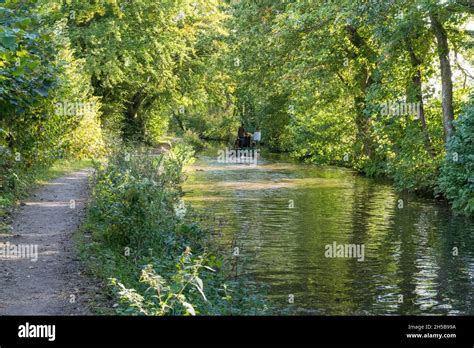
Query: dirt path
x=54, y=283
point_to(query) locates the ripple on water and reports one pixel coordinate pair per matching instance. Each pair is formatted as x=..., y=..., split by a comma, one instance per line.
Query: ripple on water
x=282, y=216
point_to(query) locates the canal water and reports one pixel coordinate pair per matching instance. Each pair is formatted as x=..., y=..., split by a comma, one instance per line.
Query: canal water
x=325, y=241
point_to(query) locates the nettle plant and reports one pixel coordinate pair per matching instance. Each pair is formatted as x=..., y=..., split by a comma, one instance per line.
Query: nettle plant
x=171, y=296
x=135, y=195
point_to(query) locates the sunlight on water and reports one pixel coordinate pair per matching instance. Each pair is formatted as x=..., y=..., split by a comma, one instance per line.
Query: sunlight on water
x=265, y=185
x=283, y=215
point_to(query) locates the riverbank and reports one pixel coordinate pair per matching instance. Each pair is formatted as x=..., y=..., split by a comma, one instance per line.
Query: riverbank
x=156, y=262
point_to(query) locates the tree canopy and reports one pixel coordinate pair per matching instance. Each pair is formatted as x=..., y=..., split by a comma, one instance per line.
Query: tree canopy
x=374, y=85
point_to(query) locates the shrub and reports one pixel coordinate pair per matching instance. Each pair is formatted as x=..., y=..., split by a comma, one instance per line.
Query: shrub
x=135, y=195
x=456, y=181
x=164, y=296
x=193, y=140
x=136, y=216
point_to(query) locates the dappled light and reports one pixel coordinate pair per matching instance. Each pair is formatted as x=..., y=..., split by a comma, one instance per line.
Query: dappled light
x=286, y=158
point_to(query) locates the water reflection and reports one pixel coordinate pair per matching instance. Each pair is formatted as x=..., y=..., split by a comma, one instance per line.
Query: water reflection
x=283, y=214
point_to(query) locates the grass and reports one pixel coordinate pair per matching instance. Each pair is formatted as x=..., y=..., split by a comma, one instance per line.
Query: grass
x=98, y=267
x=61, y=168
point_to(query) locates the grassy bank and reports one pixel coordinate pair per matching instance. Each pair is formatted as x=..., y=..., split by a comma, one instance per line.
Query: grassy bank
x=136, y=240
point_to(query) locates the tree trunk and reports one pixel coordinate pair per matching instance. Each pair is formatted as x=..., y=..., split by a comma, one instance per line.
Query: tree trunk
x=446, y=75
x=416, y=81
x=135, y=128
x=364, y=81
x=179, y=121
x=363, y=127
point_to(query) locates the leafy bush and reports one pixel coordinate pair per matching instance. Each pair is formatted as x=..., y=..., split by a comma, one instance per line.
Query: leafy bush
x=134, y=197
x=456, y=181
x=193, y=140
x=136, y=216
x=163, y=297
x=37, y=72
x=408, y=162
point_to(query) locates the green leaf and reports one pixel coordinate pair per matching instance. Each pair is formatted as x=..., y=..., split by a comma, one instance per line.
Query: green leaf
x=41, y=91
x=8, y=41
x=18, y=71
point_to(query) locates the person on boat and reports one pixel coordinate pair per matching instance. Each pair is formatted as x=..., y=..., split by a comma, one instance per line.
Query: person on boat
x=257, y=136
x=241, y=135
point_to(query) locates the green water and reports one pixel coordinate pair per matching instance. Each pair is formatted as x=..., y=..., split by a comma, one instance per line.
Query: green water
x=418, y=258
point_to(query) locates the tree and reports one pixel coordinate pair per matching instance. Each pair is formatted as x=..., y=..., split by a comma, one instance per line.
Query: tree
x=143, y=55
x=446, y=74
